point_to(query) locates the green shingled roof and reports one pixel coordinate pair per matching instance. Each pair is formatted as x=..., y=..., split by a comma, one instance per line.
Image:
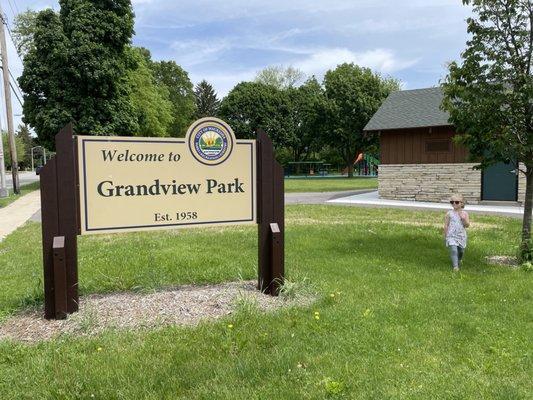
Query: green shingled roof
x=410, y=109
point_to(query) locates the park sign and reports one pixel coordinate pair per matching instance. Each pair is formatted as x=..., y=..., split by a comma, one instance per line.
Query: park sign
x=114, y=184
x=208, y=178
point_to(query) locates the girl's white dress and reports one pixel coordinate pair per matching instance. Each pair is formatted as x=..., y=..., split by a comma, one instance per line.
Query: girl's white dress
x=456, y=235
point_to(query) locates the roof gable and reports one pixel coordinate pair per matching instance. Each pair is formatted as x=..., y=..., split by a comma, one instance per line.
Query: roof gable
x=410, y=109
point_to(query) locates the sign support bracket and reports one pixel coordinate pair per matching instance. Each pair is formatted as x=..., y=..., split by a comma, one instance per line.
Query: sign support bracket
x=59, y=211
x=271, y=217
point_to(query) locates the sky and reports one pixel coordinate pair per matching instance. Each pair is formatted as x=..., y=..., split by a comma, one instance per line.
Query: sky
x=226, y=42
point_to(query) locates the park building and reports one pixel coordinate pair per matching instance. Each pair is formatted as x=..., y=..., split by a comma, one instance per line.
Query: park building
x=421, y=161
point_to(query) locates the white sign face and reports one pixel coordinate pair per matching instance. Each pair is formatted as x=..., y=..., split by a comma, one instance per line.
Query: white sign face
x=133, y=183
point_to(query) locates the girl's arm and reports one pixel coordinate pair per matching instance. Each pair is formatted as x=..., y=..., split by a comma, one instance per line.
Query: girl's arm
x=465, y=219
x=446, y=224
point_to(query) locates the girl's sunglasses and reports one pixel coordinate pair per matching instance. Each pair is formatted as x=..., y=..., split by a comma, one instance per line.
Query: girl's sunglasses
x=455, y=202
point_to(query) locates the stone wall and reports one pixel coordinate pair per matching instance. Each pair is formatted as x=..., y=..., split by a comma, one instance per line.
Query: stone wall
x=429, y=182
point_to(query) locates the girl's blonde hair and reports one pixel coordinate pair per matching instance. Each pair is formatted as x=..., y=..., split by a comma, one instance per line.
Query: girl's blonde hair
x=458, y=197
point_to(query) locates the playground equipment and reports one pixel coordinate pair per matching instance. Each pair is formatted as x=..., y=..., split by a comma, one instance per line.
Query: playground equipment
x=364, y=165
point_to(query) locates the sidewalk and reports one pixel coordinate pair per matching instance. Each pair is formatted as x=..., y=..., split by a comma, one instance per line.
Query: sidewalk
x=18, y=212
x=372, y=199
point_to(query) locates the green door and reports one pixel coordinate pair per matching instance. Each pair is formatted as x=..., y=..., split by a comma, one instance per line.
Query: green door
x=500, y=183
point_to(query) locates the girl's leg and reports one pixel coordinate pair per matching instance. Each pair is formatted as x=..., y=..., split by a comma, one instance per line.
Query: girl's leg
x=460, y=253
x=454, y=256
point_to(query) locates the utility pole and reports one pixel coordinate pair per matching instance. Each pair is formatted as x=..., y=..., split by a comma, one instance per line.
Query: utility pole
x=9, y=108
x=3, y=187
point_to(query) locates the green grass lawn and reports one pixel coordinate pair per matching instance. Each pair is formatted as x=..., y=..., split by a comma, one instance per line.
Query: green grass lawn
x=328, y=184
x=24, y=189
x=401, y=325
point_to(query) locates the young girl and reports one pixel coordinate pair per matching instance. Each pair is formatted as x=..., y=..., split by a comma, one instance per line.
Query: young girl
x=455, y=222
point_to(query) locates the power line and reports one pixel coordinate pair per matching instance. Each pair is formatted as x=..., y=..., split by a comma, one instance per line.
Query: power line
x=4, y=21
x=12, y=9
x=13, y=87
x=16, y=7
x=16, y=83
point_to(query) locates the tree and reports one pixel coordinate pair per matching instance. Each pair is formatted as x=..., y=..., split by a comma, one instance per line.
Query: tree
x=207, y=103
x=489, y=96
x=23, y=133
x=353, y=95
x=19, y=145
x=24, y=27
x=251, y=105
x=181, y=94
x=307, y=114
x=150, y=100
x=280, y=77
x=77, y=70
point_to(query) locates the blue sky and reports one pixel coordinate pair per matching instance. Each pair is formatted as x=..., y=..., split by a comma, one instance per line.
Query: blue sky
x=229, y=41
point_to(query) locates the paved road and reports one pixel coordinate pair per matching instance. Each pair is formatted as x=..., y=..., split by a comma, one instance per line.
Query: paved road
x=24, y=178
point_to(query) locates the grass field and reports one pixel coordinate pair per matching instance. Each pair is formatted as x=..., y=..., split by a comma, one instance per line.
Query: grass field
x=24, y=189
x=328, y=184
x=400, y=325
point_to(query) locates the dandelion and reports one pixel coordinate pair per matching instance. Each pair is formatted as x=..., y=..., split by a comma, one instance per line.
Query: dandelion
x=230, y=326
x=317, y=317
x=332, y=295
x=99, y=349
x=317, y=313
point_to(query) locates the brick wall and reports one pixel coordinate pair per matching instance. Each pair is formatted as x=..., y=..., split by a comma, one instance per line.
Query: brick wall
x=429, y=182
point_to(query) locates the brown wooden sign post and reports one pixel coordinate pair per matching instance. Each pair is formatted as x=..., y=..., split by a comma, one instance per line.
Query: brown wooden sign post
x=61, y=222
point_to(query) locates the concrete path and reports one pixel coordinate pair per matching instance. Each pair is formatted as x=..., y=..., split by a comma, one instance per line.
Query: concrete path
x=320, y=197
x=18, y=212
x=371, y=199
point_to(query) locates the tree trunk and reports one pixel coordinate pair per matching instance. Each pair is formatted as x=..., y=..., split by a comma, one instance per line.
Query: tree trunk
x=350, y=170
x=526, y=247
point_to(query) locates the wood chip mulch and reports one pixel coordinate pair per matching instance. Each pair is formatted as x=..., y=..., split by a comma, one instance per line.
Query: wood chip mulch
x=184, y=305
x=506, y=261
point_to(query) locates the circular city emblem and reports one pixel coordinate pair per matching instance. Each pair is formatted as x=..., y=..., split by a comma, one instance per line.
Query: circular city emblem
x=210, y=141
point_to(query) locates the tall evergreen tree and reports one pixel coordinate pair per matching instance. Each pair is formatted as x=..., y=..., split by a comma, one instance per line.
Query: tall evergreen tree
x=76, y=70
x=207, y=103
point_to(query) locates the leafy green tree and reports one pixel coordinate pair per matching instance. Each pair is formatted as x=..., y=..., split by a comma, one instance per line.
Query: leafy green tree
x=76, y=70
x=24, y=27
x=181, y=94
x=150, y=100
x=23, y=133
x=306, y=115
x=353, y=95
x=207, y=103
x=251, y=105
x=490, y=95
x=280, y=77
x=19, y=145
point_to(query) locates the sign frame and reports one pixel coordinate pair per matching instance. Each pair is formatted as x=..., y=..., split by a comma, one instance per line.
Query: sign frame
x=61, y=222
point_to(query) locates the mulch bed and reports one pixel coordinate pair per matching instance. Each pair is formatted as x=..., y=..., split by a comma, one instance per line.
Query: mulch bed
x=506, y=261
x=184, y=305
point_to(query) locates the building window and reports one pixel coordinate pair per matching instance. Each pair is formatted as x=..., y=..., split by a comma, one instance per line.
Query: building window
x=438, y=145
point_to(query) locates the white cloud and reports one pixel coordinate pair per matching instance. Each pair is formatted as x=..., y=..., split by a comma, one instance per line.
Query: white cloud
x=381, y=60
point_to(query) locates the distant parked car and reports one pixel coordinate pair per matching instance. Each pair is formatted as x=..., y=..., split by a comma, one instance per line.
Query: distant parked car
x=38, y=170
